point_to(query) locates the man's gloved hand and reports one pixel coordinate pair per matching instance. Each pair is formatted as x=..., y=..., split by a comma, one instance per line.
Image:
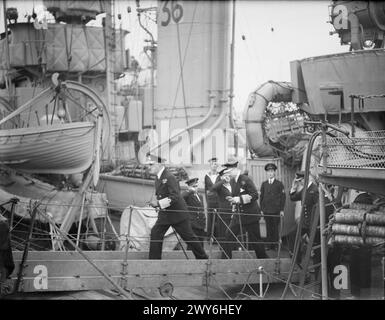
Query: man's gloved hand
x=233, y=199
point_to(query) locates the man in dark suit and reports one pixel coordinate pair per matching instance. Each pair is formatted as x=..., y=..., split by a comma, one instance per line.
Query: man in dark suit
x=210, y=179
x=310, y=207
x=272, y=201
x=244, y=196
x=7, y=264
x=196, y=210
x=311, y=198
x=172, y=211
x=223, y=190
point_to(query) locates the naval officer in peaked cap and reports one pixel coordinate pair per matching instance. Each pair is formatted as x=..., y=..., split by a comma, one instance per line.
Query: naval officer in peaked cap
x=172, y=211
x=223, y=190
x=196, y=210
x=244, y=196
x=272, y=202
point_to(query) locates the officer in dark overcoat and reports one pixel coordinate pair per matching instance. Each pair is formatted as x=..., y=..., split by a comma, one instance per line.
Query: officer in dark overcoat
x=244, y=196
x=272, y=202
x=311, y=198
x=310, y=206
x=223, y=216
x=7, y=264
x=195, y=208
x=172, y=211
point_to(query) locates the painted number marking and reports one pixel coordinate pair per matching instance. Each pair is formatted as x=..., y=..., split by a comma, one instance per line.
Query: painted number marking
x=173, y=12
x=40, y=282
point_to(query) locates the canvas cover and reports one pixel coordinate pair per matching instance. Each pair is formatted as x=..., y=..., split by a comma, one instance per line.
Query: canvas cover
x=52, y=201
x=62, y=47
x=136, y=224
x=86, y=8
x=357, y=73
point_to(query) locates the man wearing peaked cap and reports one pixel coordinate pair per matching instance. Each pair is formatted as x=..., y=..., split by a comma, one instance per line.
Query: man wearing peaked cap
x=223, y=217
x=272, y=202
x=309, y=207
x=231, y=164
x=244, y=196
x=270, y=166
x=224, y=171
x=172, y=211
x=196, y=210
x=192, y=182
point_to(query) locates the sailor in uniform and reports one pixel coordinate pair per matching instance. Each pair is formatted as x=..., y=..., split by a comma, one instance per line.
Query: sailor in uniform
x=196, y=210
x=210, y=179
x=172, y=211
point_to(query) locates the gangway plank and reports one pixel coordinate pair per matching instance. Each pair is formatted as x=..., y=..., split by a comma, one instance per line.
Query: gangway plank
x=69, y=271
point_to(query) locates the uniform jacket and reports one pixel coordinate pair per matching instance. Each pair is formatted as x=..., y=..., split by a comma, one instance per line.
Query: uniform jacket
x=211, y=197
x=168, y=186
x=311, y=200
x=245, y=186
x=223, y=205
x=272, y=198
x=196, y=209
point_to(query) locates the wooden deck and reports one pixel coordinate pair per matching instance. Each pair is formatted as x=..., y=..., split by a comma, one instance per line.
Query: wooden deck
x=69, y=271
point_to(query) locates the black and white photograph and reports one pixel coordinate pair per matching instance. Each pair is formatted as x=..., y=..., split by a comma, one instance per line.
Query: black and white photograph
x=192, y=156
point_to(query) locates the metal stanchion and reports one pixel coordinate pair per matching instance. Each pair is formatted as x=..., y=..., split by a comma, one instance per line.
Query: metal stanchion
x=212, y=233
x=260, y=272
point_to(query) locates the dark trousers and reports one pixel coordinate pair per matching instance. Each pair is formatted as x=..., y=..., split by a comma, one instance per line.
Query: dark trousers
x=333, y=259
x=210, y=220
x=183, y=228
x=253, y=232
x=200, y=234
x=303, y=246
x=272, y=226
x=7, y=264
x=222, y=223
